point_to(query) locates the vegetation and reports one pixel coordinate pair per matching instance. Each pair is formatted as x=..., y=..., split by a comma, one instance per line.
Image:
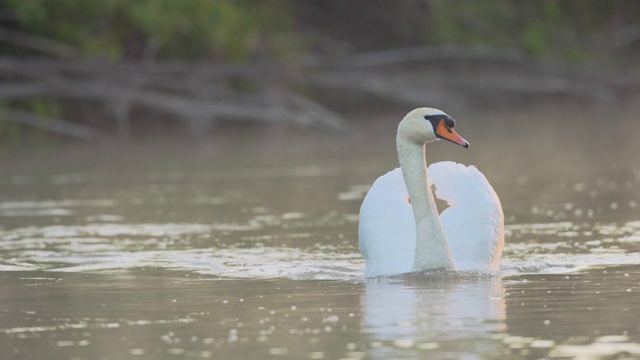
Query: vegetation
x=569, y=30
x=235, y=30
x=237, y=36
x=229, y=30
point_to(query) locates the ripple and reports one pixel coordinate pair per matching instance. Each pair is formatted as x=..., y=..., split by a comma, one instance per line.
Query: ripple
x=271, y=246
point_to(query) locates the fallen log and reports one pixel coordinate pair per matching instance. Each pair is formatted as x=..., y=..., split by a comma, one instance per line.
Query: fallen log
x=262, y=91
x=52, y=125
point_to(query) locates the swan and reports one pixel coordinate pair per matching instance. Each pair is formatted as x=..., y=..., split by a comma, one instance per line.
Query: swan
x=399, y=228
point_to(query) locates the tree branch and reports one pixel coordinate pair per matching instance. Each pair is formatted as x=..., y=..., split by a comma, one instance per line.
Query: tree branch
x=51, y=125
x=261, y=91
x=37, y=43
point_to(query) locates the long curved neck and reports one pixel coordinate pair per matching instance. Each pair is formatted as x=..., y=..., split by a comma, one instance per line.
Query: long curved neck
x=432, y=250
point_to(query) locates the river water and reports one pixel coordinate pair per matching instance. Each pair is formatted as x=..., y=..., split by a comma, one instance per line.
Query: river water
x=245, y=247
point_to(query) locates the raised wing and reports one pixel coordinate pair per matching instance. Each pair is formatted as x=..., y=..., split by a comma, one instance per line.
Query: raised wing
x=473, y=223
x=386, y=227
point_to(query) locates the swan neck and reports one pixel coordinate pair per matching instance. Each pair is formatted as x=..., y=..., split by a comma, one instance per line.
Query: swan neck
x=432, y=250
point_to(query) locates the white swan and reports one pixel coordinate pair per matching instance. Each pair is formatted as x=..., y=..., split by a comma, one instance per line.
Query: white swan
x=400, y=230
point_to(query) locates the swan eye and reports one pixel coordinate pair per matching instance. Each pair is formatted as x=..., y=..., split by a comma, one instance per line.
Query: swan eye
x=450, y=122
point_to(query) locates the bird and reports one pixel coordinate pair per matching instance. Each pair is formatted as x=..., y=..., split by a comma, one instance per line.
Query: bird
x=400, y=230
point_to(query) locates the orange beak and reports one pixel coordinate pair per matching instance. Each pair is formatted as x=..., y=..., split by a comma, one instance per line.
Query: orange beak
x=445, y=132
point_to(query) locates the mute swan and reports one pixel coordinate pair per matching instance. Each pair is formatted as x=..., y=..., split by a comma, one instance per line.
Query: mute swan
x=400, y=230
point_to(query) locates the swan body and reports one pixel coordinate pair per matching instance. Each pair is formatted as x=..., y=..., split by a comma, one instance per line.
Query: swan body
x=400, y=230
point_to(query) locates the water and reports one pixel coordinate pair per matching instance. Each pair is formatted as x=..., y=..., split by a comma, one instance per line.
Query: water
x=169, y=251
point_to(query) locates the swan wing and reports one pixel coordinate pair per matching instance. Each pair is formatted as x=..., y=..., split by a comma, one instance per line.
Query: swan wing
x=474, y=222
x=386, y=227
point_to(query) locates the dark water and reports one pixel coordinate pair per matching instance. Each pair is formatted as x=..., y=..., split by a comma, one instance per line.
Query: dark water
x=248, y=249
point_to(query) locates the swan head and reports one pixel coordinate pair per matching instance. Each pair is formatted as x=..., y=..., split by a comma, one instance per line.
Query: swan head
x=423, y=125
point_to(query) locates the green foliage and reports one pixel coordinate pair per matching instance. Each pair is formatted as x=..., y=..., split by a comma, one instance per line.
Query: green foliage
x=468, y=22
x=226, y=29
x=44, y=107
x=560, y=28
x=10, y=133
x=534, y=39
x=235, y=30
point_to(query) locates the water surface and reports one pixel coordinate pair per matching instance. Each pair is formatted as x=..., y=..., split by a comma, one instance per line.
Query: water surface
x=234, y=253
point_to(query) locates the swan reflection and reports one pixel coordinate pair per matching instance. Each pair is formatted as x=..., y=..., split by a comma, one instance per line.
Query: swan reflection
x=434, y=311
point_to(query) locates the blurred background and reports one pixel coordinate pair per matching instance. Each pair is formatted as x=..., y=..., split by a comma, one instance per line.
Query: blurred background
x=555, y=82
x=235, y=139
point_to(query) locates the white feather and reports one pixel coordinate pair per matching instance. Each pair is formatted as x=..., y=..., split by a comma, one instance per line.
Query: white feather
x=473, y=223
